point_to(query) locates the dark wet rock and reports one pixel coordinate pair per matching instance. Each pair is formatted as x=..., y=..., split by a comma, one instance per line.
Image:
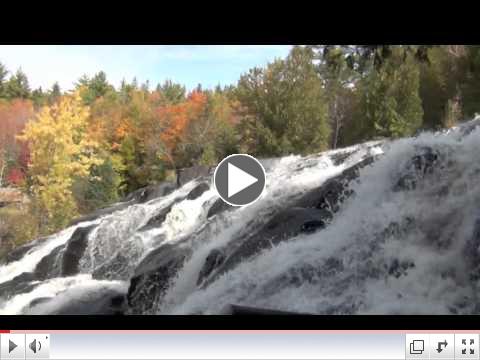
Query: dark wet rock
x=74, y=250
x=39, y=301
x=21, y=251
x=312, y=212
x=198, y=191
x=399, y=268
x=154, y=191
x=22, y=283
x=153, y=275
x=188, y=174
x=50, y=266
x=420, y=165
x=250, y=310
x=312, y=226
x=283, y=226
x=214, y=259
x=103, y=301
x=218, y=207
x=101, y=212
x=139, y=196
x=157, y=220
x=341, y=156
x=330, y=195
x=307, y=273
x=115, y=268
x=469, y=126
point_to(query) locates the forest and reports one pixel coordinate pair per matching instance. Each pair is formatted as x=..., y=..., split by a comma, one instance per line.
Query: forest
x=71, y=152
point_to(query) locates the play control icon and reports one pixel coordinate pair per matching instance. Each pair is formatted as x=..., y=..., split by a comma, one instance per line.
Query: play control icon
x=239, y=179
x=13, y=346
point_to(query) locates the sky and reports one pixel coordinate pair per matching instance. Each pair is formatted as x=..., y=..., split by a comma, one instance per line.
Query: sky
x=188, y=65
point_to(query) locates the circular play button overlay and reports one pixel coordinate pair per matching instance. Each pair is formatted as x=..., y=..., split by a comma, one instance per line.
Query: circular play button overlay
x=239, y=179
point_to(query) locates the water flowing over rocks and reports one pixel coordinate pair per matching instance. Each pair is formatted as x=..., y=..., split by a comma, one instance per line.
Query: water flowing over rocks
x=385, y=227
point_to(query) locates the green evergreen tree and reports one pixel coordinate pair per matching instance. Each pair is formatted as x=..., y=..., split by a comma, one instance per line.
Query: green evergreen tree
x=471, y=86
x=285, y=105
x=55, y=92
x=441, y=86
x=145, y=86
x=125, y=92
x=173, y=93
x=100, y=189
x=95, y=87
x=390, y=101
x=38, y=97
x=17, y=86
x=3, y=80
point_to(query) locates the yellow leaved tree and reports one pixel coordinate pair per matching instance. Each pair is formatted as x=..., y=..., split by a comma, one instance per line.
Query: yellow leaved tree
x=60, y=152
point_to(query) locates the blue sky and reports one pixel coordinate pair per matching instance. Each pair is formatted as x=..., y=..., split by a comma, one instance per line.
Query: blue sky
x=189, y=65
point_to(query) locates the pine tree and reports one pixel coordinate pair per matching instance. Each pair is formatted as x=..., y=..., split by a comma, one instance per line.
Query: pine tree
x=284, y=107
x=470, y=87
x=17, y=86
x=55, y=93
x=3, y=78
x=390, y=102
x=94, y=88
x=441, y=88
x=172, y=92
x=38, y=97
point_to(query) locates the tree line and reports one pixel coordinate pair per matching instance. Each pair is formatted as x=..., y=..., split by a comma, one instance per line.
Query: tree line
x=73, y=152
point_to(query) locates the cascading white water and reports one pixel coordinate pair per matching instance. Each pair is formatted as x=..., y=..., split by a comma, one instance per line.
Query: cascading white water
x=117, y=235
x=28, y=262
x=385, y=251
x=435, y=279
x=114, y=233
x=63, y=289
x=290, y=172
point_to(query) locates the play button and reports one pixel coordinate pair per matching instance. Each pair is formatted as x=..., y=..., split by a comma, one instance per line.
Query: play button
x=239, y=179
x=11, y=346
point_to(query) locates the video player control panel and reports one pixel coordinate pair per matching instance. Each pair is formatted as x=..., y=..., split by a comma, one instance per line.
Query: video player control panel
x=238, y=345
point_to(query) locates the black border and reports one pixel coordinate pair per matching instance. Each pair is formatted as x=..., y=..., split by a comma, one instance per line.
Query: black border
x=197, y=23
x=245, y=25
x=268, y=322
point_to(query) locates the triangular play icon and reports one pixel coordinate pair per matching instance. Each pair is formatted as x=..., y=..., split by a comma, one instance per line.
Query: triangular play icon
x=238, y=180
x=11, y=346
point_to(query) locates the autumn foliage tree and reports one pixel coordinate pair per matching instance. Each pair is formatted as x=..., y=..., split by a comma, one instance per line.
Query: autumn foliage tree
x=60, y=151
x=175, y=120
x=13, y=153
x=82, y=151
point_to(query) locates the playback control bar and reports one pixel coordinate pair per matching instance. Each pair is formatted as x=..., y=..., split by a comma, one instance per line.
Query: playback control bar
x=238, y=345
x=24, y=346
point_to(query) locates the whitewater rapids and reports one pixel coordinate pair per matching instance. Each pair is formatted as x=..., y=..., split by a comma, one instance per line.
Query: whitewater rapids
x=404, y=242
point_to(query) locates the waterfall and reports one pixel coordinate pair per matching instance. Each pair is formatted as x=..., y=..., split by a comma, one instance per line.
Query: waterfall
x=396, y=230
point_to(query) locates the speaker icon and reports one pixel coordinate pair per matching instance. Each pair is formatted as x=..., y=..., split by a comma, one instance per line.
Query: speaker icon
x=35, y=346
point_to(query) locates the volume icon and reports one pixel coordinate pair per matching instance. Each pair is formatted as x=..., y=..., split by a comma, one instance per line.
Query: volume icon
x=35, y=346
